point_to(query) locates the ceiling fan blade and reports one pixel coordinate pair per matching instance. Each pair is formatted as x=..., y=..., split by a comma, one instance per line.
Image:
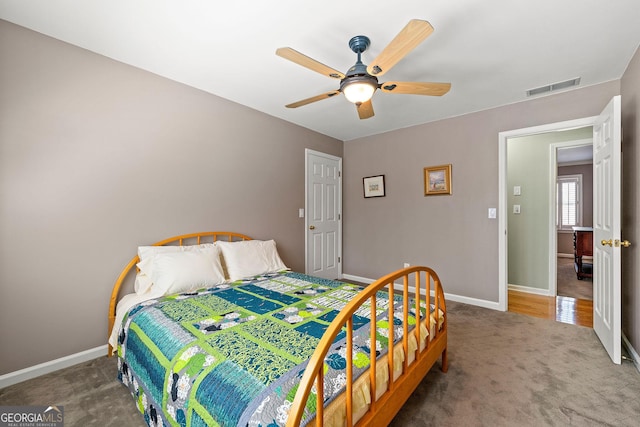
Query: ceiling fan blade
x=416, y=88
x=411, y=36
x=300, y=59
x=365, y=110
x=313, y=99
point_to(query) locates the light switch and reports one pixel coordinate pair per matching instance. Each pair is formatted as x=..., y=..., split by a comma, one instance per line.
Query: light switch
x=516, y=209
x=301, y=213
x=492, y=213
x=516, y=190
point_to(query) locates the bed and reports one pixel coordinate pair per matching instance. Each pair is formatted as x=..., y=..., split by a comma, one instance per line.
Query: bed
x=218, y=331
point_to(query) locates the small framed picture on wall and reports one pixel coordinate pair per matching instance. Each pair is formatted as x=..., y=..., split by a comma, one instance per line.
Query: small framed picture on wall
x=437, y=180
x=373, y=186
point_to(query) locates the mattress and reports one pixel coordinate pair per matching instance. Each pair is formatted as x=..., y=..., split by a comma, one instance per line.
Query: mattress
x=233, y=354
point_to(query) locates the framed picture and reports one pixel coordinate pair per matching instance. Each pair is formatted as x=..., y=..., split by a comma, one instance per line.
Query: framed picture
x=437, y=180
x=373, y=186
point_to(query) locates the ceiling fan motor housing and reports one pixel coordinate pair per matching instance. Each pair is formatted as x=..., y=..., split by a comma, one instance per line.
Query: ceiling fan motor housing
x=358, y=72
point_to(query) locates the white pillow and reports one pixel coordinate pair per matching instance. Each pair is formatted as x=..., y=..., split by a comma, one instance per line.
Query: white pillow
x=143, y=282
x=175, y=272
x=250, y=257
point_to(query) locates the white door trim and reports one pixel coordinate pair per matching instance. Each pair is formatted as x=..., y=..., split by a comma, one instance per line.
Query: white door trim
x=307, y=153
x=502, y=192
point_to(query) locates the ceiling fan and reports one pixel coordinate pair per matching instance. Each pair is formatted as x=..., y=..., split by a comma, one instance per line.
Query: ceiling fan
x=361, y=81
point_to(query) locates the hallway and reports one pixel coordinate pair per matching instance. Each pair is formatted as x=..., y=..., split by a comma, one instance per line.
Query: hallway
x=561, y=309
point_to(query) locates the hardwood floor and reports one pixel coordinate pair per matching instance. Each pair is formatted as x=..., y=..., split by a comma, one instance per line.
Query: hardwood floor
x=560, y=309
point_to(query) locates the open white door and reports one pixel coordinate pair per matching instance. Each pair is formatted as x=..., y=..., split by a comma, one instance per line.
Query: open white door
x=606, y=228
x=323, y=220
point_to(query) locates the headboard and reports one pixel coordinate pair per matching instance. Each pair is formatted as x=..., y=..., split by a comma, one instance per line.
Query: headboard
x=182, y=240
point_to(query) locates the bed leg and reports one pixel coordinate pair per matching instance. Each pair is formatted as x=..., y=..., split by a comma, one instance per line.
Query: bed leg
x=444, y=367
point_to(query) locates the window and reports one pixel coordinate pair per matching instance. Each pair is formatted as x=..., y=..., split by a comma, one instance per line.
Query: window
x=569, y=201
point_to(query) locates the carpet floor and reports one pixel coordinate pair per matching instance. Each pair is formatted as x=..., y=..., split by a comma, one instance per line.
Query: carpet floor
x=505, y=369
x=568, y=283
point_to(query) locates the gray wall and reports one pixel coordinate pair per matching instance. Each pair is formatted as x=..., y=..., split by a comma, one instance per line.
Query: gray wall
x=630, y=90
x=97, y=157
x=450, y=233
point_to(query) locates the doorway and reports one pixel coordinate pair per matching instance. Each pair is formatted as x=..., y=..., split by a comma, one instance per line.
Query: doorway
x=532, y=213
x=607, y=302
x=540, y=241
x=514, y=204
x=574, y=224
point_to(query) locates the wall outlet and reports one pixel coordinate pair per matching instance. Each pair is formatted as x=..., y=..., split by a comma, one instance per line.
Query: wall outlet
x=516, y=209
x=406, y=264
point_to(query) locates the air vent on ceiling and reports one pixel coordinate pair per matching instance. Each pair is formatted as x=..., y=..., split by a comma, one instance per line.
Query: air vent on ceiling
x=554, y=86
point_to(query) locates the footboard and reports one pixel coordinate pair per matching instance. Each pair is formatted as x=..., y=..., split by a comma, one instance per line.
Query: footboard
x=415, y=363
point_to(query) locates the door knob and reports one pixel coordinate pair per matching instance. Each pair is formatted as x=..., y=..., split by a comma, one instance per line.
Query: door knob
x=312, y=227
x=617, y=243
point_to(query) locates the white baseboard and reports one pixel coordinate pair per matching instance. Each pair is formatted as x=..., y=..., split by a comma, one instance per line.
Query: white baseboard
x=396, y=286
x=44, y=368
x=450, y=297
x=530, y=290
x=584, y=257
x=632, y=352
x=64, y=362
x=493, y=305
x=357, y=278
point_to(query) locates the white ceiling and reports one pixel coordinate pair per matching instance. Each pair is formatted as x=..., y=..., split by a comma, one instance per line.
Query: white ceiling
x=491, y=51
x=575, y=155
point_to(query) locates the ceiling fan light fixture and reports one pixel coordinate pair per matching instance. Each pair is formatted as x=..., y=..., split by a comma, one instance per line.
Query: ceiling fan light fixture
x=359, y=89
x=358, y=92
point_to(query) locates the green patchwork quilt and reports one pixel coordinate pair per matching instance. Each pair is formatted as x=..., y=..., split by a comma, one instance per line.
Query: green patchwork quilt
x=233, y=355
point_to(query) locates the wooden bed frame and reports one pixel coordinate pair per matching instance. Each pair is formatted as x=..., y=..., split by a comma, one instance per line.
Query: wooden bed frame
x=185, y=239
x=382, y=410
